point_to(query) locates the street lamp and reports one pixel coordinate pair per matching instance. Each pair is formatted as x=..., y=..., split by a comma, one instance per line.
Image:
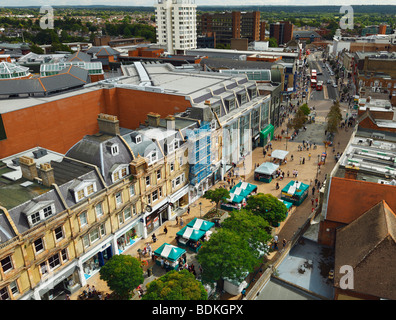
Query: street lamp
x=200, y=209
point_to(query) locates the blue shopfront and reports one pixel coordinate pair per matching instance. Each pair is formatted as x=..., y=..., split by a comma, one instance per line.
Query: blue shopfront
x=95, y=261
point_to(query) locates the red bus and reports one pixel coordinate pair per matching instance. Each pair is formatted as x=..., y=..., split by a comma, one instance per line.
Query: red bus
x=313, y=74
x=313, y=83
x=319, y=86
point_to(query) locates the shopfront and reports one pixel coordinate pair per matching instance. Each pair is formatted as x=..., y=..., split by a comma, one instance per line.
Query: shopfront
x=154, y=220
x=94, y=262
x=56, y=288
x=129, y=236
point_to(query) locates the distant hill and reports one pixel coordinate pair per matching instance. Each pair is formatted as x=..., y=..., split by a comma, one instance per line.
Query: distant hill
x=384, y=9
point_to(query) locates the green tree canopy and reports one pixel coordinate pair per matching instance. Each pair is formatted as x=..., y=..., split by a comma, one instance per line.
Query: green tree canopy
x=251, y=227
x=305, y=109
x=176, y=285
x=334, y=117
x=217, y=195
x=123, y=273
x=298, y=121
x=267, y=206
x=226, y=255
x=273, y=43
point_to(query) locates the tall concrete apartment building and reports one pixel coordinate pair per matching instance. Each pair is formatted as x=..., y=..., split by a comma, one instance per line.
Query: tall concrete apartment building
x=176, y=25
x=230, y=25
x=281, y=31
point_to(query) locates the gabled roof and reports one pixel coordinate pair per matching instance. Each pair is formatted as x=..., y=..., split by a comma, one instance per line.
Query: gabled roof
x=349, y=199
x=368, y=245
x=79, y=56
x=103, y=51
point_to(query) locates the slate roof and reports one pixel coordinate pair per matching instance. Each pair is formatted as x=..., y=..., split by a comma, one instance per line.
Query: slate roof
x=70, y=77
x=103, y=51
x=368, y=245
x=79, y=56
x=94, y=150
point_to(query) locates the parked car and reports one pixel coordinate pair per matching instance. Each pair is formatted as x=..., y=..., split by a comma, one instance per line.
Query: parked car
x=328, y=81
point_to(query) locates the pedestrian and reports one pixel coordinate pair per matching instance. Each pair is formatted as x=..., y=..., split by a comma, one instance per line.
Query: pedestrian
x=181, y=221
x=313, y=201
x=309, y=156
x=284, y=243
x=303, y=161
x=154, y=237
x=67, y=297
x=188, y=210
x=165, y=230
x=177, y=220
x=243, y=293
x=288, y=173
x=316, y=200
x=313, y=190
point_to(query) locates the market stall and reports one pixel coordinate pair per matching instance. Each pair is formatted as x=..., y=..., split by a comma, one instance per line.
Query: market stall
x=170, y=254
x=295, y=192
x=287, y=204
x=190, y=238
x=200, y=224
x=279, y=155
x=238, y=196
x=265, y=172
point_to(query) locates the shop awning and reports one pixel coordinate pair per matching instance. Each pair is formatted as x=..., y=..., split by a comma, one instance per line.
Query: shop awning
x=286, y=203
x=279, y=154
x=268, y=130
x=241, y=191
x=169, y=252
x=200, y=224
x=190, y=233
x=295, y=188
x=267, y=168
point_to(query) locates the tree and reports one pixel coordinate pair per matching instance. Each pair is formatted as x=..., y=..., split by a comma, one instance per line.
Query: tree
x=334, y=118
x=176, y=285
x=36, y=49
x=305, y=109
x=298, y=121
x=226, y=255
x=267, y=206
x=273, y=43
x=217, y=196
x=123, y=273
x=251, y=227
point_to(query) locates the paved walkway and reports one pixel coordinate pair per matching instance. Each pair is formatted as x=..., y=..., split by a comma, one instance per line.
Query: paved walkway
x=286, y=230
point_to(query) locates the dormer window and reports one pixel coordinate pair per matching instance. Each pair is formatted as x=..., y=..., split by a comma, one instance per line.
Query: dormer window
x=119, y=171
x=38, y=211
x=114, y=149
x=138, y=139
x=83, y=189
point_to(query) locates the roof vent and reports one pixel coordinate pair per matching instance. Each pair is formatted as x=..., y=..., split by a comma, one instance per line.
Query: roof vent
x=39, y=153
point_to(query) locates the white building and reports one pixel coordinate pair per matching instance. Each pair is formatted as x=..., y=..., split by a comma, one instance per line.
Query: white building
x=176, y=25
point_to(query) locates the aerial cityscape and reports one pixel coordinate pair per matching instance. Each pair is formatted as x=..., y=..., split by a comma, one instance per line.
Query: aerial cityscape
x=193, y=150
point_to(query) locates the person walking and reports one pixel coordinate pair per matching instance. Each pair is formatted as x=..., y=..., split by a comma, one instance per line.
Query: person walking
x=284, y=242
x=177, y=220
x=181, y=221
x=165, y=230
x=188, y=210
x=313, y=191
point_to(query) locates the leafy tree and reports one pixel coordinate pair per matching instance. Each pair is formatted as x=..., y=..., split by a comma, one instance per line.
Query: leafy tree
x=217, y=196
x=226, y=255
x=267, y=206
x=123, y=273
x=251, y=227
x=273, y=43
x=334, y=117
x=36, y=49
x=298, y=121
x=305, y=109
x=176, y=285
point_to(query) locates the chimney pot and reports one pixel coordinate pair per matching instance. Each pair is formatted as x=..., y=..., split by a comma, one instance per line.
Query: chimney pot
x=108, y=124
x=28, y=168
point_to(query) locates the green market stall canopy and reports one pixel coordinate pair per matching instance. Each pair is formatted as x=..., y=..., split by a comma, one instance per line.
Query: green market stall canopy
x=241, y=191
x=191, y=233
x=169, y=252
x=200, y=224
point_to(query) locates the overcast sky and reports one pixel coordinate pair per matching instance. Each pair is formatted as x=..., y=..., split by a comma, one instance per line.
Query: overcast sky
x=198, y=2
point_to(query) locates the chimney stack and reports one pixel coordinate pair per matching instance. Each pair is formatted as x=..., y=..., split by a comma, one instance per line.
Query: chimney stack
x=351, y=172
x=170, y=122
x=108, y=124
x=153, y=119
x=47, y=174
x=28, y=168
